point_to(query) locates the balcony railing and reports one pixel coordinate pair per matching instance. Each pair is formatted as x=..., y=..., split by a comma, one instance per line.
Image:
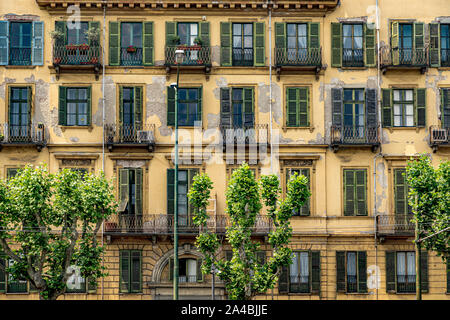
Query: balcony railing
x=445, y=57
x=256, y=134
x=131, y=57
x=194, y=55
x=439, y=136
x=299, y=284
x=395, y=225
x=406, y=283
x=352, y=284
x=20, y=56
x=402, y=57
x=76, y=55
x=242, y=57
x=22, y=134
x=354, y=135
x=137, y=134
x=352, y=57
x=298, y=57
x=162, y=224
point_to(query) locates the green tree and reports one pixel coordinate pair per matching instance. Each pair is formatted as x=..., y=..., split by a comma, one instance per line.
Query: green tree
x=49, y=222
x=429, y=197
x=244, y=276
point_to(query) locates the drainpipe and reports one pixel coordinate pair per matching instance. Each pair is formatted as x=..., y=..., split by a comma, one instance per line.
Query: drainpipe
x=270, y=88
x=103, y=122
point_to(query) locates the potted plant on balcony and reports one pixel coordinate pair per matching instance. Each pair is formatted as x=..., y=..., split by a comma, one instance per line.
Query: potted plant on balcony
x=197, y=43
x=83, y=47
x=56, y=35
x=2, y=137
x=93, y=34
x=131, y=49
x=173, y=40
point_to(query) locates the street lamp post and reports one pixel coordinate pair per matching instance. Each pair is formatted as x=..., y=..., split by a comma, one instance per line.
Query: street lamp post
x=179, y=57
x=213, y=271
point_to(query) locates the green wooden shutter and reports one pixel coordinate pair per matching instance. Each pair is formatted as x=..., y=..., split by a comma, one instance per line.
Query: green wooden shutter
x=349, y=192
x=61, y=27
x=136, y=271
x=30, y=103
x=259, y=44
x=369, y=45
x=124, y=271
x=390, y=271
x=315, y=272
x=283, y=280
x=303, y=107
x=171, y=263
x=337, y=105
x=362, y=271
x=170, y=191
x=394, y=43
x=336, y=44
x=204, y=33
x=371, y=108
x=121, y=104
x=291, y=107
x=280, y=43
x=4, y=42
x=424, y=270
x=225, y=107
x=387, y=107
x=171, y=106
x=10, y=94
x=340, y=271
x=249, y=117
x=199, y=270
x=435, y=45
x=114, y=43
x=313, y=35
x=419, y=35
x=139, y=191
x=445, y=108
x=62, y=106
x=124, y=177
x=138, y=105
x=89, y=105
x=199, y=105
x=171, y=31
x=147, y=35
x=225, y=44
x=38, y=43
x=361, y=192
x=400, y=195
x=2, y=274
x=420, y=103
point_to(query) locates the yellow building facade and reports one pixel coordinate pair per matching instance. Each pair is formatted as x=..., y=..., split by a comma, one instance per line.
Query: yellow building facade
x=344, y=92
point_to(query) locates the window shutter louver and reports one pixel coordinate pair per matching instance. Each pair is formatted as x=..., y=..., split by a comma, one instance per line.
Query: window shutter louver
x=340, y=271
x=138, y=106
x=38, y=43
x=121, y=104
x=171, y=31
x=170, y=191
x=283, y=280
x=148, y=47
x=199, y=114
x=435, y=43
x=399, y=192
x=303, y=107
x=371, y=108
x=337, y=105
x=291, y=106
x=124, y=271
x=362, y=272
x=225, y=44
x=171, y=105
x=361, y=196
x=313, y=35
x=30, y=103
x=390, y=272
x=387, y=107
x=114, y=43
x=4, y=42
x=225, y=107
x=171, y=263
x=419, y=36
x=394, y=43
x=420, y=104
x=315, y=272
x=199, y=270
x=204, y=33
x=336, y=45
x=136, y=271
x=280, y=42
x=424, y=270
x=445, y=108
x=89, y=105
x=124, y=177
x=349, y=192
x=139, y=191
x=62, y=106
x=370, y=45
x=259, y=44
x=248, y=96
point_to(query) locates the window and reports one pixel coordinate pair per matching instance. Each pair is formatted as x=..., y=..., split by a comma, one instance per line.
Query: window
x=185, y=210
x=11, y=172
x=408, y=44
x=302, y=275
x=130, y=117
x=187, y=33
x=404, y=107
x=21, y=43
x=355, y=192
x=297, y=110
x=237, y=107
x=76, y=283
x=78, y=36
x=7, y=282
x=189, y=270
x=401, y=271
x=401, y=191
x=130, y=191
x=305, y=209
x=75, y=106
x=352, y=52
x=445, y=108
x=242, y=44
x=351, y=271
x=297, y=41
x=189, y=106
x=131, y=36
x=405, y=42
x=354, y=114
x=19, y=114
x=130, y=271
x=445, y=45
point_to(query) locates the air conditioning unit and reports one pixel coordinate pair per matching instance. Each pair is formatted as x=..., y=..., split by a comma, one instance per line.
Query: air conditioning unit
x=144, y=136
x=440, y=135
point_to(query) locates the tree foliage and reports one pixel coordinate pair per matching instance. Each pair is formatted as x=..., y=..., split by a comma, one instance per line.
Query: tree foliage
x=431, y=187
x=49, y=222
x=244, y=276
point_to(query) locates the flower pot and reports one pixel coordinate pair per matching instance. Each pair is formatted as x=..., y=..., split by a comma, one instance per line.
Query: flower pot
x=57, y=60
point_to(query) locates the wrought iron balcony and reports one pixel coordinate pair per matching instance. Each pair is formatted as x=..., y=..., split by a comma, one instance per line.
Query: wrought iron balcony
x=131, y=57
x=20, y=56
x=354, y=135
x=22, y=135
x=194, y=55
x=406, y=283
x=242, y=57
x=439, y=137
x=352, y=57
x=395, y=225
x=162, y=224
x=245, y=135
x=76, y=58
x=403, y=58
x=311, y=57
x=130, y=135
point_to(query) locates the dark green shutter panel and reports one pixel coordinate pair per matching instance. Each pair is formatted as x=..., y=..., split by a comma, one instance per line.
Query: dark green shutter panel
x=424, y=270
x=30, y=103
x=390, y=271
x=225, y=107
x=225, y=44
x=361, y=194
x=171, y=31
x=121, y=104
x=336, y=45
x=249, y=117
x=445, y=108
x=124, y=177
x=283, y=280
x=89, y=105
x=136, y=271
x=114, y=43
x=370, y=44
x=387, y=107
x=38, y=43
x=138, y=105
x=419, y=37
x=228, y=255
x=259, y=44
x=148, y=43
x=2, y=274
x=4, y=43
x=199, y=105
x=371, y=108
x=170, y=106
x=199, y=270
x=337, y=106
x=394, y=43
x=61, y=27
x=340, y=271
x=303, y=107
x=95, y=42
x=400, y=195
x=313, y=35
x=362, y=272
x=170, y=191
x=435, y=45
x=204, y=33
x=139, y=191
x=62, y=106
x=420, y=102
x=124, y=271
x=315, y=272
x=291, y=106
x=349, y=192
x=280, y=43
x=171, y=263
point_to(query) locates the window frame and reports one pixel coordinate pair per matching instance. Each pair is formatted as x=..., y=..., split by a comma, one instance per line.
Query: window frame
x=77, y=101
x=130, y=269
x=190, y=36
x=367, y=195
x=124, y=55
x=243, y=61
x=403, y=103
x=21, y=46
x=447, y=49
x=353, y=62
x=298, y=101
x=198, y=102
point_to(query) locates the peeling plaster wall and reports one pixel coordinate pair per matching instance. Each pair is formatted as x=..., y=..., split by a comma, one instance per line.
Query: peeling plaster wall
x=110, y=104
x=156, y=103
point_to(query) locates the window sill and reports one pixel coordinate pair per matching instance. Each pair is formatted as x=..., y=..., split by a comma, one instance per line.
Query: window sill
x=354, y=68
x=130, y=293
x=392, y=129
x=64, y=128
x=286, y=128
x=14, y=293
x=355, y=293
x=19, y=67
